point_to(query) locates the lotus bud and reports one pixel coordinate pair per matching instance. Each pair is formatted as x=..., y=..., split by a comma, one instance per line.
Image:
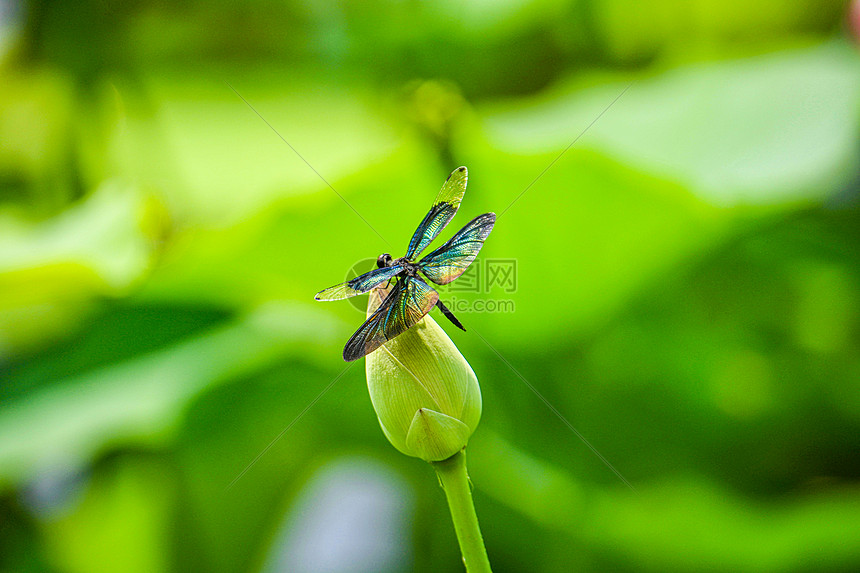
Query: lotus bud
x=425, y=394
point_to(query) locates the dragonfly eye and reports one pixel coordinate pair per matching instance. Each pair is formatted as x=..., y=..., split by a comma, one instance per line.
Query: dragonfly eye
x=383, y=260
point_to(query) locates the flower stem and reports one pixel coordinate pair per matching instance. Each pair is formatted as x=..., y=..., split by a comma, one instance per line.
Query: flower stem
x=455, y=482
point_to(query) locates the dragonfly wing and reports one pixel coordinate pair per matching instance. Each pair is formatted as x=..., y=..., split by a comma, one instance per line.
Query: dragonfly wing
x=406, y=304
x=360, y=284
x=443, y=210
x=452, y=259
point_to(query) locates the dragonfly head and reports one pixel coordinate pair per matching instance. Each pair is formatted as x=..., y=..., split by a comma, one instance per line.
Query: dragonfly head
x=383, y=260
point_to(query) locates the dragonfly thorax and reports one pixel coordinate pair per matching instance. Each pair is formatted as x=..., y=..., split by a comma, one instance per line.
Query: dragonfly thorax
x=410, y=269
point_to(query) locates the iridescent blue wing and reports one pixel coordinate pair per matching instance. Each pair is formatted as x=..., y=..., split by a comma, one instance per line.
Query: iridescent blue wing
x=443, y=210
x=406, y=304
x=451, y=259
x=360, y=284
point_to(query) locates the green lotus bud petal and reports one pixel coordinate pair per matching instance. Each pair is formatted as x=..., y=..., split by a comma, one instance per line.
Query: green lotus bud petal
x=434, y=436
x=425, y=394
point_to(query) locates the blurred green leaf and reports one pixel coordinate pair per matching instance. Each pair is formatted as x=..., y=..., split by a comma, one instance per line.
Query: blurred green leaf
x=636, y=31
x=771, y=128
x=121, y=524
x=676, y=525
x=217, y=160
x=142, y=399
x=36, y=131
x=51, y=271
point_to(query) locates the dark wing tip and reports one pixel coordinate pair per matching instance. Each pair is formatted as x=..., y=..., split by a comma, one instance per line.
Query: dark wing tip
x=350, y=353
x=461, y=169
x=486, y=219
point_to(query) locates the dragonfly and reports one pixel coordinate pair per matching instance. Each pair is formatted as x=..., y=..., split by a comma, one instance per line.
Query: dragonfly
x=411, y=297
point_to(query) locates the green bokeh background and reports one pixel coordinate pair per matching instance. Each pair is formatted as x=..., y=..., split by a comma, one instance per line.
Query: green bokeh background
x=688, y=282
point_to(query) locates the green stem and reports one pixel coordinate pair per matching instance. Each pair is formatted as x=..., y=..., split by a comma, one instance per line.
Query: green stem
x=455, y=482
